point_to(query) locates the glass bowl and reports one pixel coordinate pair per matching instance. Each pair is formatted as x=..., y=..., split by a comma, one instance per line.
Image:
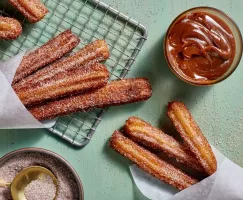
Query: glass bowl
x=238, y=45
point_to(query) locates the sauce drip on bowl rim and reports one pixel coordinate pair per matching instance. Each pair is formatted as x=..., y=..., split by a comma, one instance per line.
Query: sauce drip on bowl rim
x=200, y=47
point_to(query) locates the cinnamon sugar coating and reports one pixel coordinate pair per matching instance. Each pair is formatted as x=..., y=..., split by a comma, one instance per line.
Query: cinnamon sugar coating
x=46, y=54
x=10, y=28
x=115, y=93
x=192, y=135
x=33, y=10
x=96, y=51
x=71, y=82
x=149, y=162
x=144, y=133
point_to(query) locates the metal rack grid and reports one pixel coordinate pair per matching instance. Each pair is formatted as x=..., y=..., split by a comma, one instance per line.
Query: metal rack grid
x=90, y=20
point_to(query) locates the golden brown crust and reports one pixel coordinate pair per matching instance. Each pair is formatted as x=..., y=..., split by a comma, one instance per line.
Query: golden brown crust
x=33, y=10
x=75, y=81
x=95, y=51
x=144, y=133
x=150, y=162
x=46, y=54
x=10, y=28
x=115, y=93
x=192, y=135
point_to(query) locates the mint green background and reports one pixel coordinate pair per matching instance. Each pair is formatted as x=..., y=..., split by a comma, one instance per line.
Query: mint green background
x=217, y=109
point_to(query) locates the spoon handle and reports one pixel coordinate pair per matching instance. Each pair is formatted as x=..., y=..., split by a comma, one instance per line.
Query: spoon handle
x=4, y=184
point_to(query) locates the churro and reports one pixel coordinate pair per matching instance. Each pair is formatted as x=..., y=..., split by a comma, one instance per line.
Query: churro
x=150, y=162
x=115, y=93
x=144, y=133
x=33, y=10
x=79, y=80
x=192, y=135
x=96, y=51
x=46, y=54
x=10, y=28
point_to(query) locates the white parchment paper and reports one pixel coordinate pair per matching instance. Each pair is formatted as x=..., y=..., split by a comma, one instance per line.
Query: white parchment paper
x=13, y=113
x=225, y=184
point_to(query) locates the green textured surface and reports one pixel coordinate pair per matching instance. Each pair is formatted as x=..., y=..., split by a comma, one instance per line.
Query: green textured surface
x=218, y=109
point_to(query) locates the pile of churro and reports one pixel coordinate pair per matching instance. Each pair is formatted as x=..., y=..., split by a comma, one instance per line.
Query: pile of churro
x=142, y=144
x=33, y=11
x=51, y=84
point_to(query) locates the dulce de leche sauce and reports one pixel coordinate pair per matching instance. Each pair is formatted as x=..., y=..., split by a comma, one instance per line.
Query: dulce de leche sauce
x=200, y=47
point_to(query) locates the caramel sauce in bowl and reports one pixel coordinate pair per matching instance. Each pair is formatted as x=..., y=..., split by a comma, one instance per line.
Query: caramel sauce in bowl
x=203, y=46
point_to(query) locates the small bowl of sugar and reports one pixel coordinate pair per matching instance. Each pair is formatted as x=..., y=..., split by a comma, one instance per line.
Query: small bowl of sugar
x=69, y=184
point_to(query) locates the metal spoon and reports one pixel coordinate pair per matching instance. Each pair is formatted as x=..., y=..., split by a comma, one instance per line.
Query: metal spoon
x=25, y=177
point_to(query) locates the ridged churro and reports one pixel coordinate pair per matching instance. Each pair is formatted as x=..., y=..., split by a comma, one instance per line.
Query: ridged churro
x=150, y=162
x=10, y=28
x=115, y=93
x=79, y=80
x=144, y=133
x=192, y=135
x=33, y=10
x=96, y=51
x=46, y=54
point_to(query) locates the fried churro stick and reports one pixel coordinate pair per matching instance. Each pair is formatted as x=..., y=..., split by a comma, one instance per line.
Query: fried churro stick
x=96, y=51
x=46, y=54
x=144, y=133
x=149, y=162
x=33, y=10
x=79, y=80
x=192, y=135
x=115, y=93
x=10, y=28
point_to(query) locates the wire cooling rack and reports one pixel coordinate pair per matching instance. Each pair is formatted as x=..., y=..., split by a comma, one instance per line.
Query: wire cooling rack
x=90, y=20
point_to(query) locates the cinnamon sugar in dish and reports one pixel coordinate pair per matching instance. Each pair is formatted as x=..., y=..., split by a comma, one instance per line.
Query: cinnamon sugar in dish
x=67, y=185
x=40, y=189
